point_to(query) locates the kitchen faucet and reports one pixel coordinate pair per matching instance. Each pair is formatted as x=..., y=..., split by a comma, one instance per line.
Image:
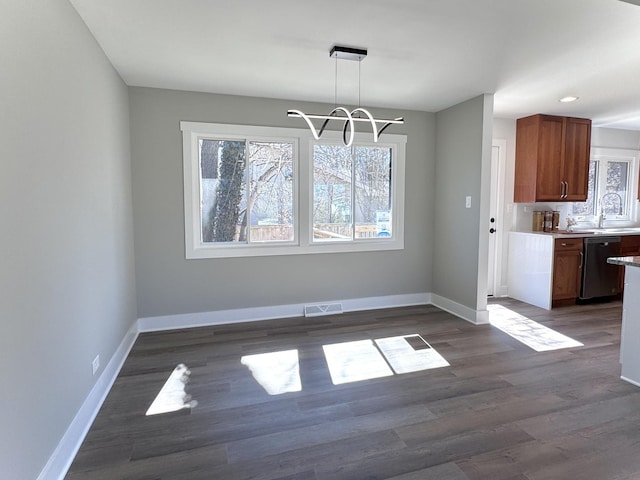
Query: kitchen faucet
x=603, y=215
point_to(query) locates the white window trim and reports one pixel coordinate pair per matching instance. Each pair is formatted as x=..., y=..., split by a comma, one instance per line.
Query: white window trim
x=303, y=145
x=600, y=154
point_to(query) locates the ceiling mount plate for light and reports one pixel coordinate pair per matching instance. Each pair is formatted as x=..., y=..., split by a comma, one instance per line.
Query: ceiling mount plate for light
x=348, y=53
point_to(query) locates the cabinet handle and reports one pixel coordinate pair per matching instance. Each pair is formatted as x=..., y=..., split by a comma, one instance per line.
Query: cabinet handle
x=581, y=260
x=566, y=189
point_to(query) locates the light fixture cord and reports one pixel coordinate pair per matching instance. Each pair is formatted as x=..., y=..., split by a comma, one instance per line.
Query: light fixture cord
x=359, y=63
x=335, y=83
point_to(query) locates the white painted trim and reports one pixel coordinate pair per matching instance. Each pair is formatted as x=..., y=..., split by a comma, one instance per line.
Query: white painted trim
x=254, y=314
x=502, y=237
x=388, y=301
x=62, y=457
x=632, y=382
x=477, y=317
x=482, y=271
x=303, y=243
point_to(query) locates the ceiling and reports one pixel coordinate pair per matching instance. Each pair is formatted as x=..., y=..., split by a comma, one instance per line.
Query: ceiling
x=423, y=54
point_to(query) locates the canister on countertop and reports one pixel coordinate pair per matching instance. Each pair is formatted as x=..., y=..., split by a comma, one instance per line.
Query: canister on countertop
x=538, y=221
x=548, y=221
x=556, y=219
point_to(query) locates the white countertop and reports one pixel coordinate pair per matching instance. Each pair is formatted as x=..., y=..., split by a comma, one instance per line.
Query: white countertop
x=614, y=232
x=626, y=261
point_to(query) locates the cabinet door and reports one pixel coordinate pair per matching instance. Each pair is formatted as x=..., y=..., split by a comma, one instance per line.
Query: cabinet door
x=576, y=158
x=567, y=268
x=550, y=156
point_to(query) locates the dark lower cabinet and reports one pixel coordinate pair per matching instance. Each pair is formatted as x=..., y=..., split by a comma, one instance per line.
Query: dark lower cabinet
x=567, y=270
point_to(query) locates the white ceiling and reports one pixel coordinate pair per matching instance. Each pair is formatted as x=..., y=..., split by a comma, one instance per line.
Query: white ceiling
x=423, y=54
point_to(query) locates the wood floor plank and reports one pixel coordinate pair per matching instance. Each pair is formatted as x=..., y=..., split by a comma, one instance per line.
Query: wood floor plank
x=354, y=448
x=445, y=471
x=443, y=450
x=500, y=411
x=287, y=440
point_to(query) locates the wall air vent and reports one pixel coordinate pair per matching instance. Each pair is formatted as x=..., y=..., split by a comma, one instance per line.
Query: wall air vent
x=322, y=309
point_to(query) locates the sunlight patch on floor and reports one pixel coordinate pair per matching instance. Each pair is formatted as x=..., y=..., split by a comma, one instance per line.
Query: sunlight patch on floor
x=410, y=353
x=527, y=331
x=365, y=359
x=276, y=372
x=172, y=396
x=355, y=361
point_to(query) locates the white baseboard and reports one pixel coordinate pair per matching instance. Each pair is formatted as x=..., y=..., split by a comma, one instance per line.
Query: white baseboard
x=477, y=317
x=632, y=382
x=60, y=461
x=222, y=317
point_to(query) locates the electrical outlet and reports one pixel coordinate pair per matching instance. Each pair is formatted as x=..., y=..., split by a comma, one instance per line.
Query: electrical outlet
x=95, y=365
x=467, y=202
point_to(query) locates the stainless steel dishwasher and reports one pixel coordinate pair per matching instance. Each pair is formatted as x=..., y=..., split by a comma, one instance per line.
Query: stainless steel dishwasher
x=599, y=278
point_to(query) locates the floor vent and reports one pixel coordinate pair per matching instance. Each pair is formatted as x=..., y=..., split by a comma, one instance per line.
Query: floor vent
x=322, y=309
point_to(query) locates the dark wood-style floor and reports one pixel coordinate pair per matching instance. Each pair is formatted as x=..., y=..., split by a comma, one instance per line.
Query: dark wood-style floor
x=501, y=411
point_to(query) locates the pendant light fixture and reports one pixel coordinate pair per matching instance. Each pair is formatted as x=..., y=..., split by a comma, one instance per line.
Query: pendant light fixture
x=343, y=114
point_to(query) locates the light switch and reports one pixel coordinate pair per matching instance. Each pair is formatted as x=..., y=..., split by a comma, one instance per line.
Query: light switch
x=467, y=203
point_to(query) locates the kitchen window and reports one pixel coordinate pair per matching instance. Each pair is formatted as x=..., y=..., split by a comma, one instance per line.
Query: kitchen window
x=611, y=191
x=253, y=191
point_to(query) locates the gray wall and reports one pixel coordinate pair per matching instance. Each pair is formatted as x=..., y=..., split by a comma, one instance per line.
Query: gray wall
x=67, y=277
x=615, y=138
x=461, y=152
x=168, y=284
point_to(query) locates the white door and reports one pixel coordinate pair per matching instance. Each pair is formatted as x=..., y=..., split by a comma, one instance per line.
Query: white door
x=496, y=211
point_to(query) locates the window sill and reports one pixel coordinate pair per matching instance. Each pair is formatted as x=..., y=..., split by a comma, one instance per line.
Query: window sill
x=234, y=251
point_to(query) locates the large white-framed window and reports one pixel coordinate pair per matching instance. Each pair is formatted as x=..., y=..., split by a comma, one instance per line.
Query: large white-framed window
x=253, y=191
x=612, y=189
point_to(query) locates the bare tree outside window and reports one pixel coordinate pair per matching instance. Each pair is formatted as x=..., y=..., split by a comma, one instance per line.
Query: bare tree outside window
x=615, y=198
x=270, y=204
x=608, y=190
x=351, y=192
x=588, y=208
x=233, y=211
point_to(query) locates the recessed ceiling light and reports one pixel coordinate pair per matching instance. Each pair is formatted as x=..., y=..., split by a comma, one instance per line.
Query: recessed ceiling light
x=570, y=98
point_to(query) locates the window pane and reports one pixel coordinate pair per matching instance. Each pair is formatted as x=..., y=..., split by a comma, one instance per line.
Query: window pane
x=587, y=208
x=271, y=191
x=373, y=192
x=332, y=204
x=222, y=190
x=615, y=198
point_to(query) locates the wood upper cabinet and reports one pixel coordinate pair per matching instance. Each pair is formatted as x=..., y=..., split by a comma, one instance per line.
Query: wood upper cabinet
x=552, y=159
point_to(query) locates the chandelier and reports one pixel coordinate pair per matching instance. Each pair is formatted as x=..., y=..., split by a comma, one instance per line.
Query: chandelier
x=342, y=114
